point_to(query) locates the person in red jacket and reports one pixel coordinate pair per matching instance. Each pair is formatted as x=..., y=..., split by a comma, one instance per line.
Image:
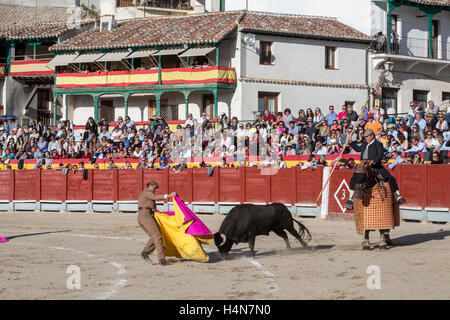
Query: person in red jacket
x=268, y=116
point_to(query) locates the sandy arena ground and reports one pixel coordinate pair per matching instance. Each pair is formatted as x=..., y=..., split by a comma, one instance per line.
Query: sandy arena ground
x=106, y=248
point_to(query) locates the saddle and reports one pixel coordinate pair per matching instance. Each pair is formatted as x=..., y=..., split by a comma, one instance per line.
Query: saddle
x=365, y=178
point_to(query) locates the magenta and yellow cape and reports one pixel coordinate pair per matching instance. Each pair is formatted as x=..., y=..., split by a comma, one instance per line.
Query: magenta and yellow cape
x=183, y=233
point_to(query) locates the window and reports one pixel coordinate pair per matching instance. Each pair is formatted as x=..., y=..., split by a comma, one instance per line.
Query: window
x=394, y=20
x=435, y=36
x=330, y=57
x=389, y=99
x=421, y=96
x=349, y=103
x=107, y=110
x=445, y=96
x=268, y=101
x=265, y=56
x=208, y=104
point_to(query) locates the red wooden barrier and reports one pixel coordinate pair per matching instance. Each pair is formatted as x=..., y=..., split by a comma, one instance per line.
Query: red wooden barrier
x=182, y=184
x=77, y=187
x=257, y=186
x=412, y=184
x=129, y=184
x=422, y=185
x=160, y=176
x=103, y=187
x=230, y=184
x=308, y=184
x=6, y=177
x=437, y=189
x=282, y=186
x=204, y=187
x=53, y=185
x=26, y=185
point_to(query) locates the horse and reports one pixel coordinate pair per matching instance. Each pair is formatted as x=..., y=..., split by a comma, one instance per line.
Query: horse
x=374, y=205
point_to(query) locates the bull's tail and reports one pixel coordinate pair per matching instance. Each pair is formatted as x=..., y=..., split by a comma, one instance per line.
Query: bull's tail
x=218, y=240
x=303, y=231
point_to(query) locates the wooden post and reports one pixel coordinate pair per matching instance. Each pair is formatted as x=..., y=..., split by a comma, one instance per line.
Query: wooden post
x=12, y=185
x=294, y=185
x=242, y=184
x=217, y=176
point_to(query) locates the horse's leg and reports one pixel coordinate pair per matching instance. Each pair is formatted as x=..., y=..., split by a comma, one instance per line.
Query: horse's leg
x=294, y=232
x=366, y=242
x=251, y=244
x=382, y=245
x=283, y=234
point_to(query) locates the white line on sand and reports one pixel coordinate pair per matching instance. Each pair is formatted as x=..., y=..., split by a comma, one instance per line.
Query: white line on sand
x=273, y=287
x=120, y=271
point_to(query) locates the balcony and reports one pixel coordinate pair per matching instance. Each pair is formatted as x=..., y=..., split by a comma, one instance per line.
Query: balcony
x=157, y=4
x=208, y=76
x=411, y=53
x=31, y=68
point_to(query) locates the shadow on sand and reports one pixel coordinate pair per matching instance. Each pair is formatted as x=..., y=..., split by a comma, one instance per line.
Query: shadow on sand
x=418, y=238
x=238, y=253
x=34, y=234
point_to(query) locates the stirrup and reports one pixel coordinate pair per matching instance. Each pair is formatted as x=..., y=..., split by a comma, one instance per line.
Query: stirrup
x=349, y=204
x=400, y=199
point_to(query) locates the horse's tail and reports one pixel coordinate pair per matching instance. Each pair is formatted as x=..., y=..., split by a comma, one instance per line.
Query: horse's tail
x=303, y=231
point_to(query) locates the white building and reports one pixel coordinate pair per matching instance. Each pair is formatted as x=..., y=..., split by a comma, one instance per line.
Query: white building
x=256, y=61
x=418, y=71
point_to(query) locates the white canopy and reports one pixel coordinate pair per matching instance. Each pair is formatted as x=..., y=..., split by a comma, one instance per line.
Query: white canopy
x=194, y=52
x=168, y=52
x=87, y=57
x=62, y=60
x=141, y=53
x=114, y=56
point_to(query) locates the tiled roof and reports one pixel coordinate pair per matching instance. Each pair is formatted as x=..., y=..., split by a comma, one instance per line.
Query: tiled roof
x=444, y=3
x=206, y=28
x=303, y=83
x=153, y=31
x=23, y=22
x=296, y=25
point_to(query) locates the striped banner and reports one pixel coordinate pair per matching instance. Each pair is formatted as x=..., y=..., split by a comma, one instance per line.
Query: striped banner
x=199, y=75
x=31, y=68
x=146, y=77
x=107, y=79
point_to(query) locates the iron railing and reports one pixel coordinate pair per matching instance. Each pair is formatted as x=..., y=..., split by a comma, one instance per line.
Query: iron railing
x=415, y=47
x=167, y=4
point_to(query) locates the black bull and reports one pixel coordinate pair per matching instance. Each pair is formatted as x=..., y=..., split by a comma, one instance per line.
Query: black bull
x=246, y=221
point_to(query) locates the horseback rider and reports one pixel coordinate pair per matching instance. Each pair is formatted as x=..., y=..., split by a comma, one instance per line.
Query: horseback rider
x=372, y=151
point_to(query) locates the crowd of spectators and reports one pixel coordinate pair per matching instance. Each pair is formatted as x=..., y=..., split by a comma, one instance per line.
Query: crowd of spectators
x=423, y=131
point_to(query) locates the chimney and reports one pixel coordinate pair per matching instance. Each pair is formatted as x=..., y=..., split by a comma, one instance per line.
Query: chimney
x=107, y=12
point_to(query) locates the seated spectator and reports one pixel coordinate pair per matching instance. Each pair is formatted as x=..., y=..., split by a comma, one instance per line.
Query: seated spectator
x=436, y=158
x=111, y=165
x=373, y=124
x=320, y=148
x=396, y=156
x=417, y=159
x=180, y=167
x=420, y=121
x=417, y=146
x=311, y=163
